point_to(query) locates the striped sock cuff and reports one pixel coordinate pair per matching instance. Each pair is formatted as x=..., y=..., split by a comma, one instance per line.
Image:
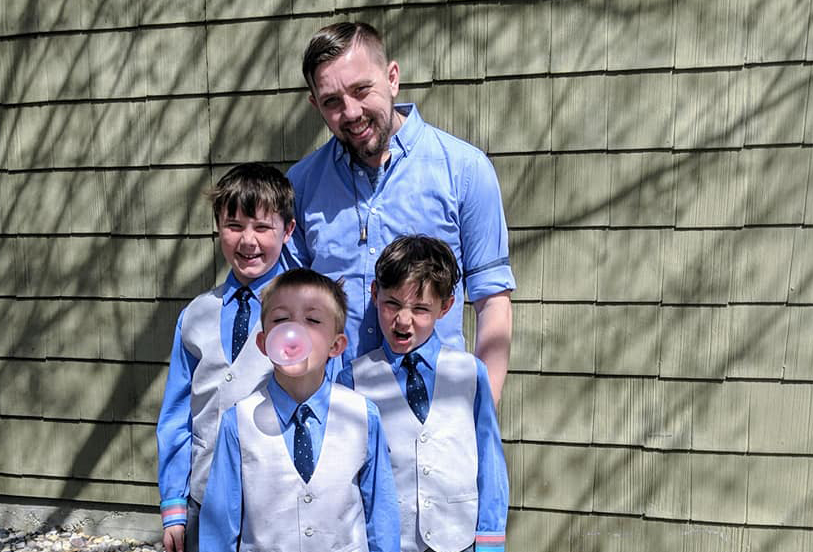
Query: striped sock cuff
x=173, y=512
x=489, y=542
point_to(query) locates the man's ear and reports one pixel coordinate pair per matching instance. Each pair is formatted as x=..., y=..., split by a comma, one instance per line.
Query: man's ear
x=394, y=77
x=338, y=347
x=261, y=342
x=312, y=100
x=445, y=305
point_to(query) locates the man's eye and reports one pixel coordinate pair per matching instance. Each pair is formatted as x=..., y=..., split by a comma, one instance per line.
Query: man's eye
x=331, y=102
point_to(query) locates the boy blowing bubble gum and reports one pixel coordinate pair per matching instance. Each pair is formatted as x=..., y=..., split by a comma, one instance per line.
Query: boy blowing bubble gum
x=210, y=366
x=301, y=464
x=436, y=407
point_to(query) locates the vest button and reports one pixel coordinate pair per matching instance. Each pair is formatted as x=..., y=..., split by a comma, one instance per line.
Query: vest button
x=229, y=376
x=308, y=532
x=307, y=499
x=426, y=470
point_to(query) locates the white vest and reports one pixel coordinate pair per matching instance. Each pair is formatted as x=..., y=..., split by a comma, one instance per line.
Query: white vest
x=435, y=464
x=282, y=513
x=216, y=383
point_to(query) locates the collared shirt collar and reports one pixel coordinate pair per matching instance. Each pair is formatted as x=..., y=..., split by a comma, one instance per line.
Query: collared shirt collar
x=404, y=139
x=232, y=284
x=428, y=352
x=286, y=405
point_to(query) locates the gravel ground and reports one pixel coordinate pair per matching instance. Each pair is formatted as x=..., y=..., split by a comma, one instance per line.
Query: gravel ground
x=58, y=540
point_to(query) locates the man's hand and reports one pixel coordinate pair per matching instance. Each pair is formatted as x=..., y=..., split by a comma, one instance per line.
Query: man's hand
x=174, y=538
x=493, y=341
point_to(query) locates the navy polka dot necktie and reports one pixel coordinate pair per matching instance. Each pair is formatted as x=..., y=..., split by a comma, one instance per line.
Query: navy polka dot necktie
x=416, y=394
x=303, y=447
x=239, y=332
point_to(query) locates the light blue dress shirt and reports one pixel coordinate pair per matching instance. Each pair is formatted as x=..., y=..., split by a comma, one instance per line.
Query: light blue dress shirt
x=434, y=184
x=492, y=474
x=174, y=431
x=222, y=509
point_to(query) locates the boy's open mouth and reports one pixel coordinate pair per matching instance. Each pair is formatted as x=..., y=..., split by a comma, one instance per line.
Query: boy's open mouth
x=401, y=335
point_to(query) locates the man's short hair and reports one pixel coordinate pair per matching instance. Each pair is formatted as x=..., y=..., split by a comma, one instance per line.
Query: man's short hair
x=253, y=186
x=335, y=40
x=419, y=259
x=305, y=277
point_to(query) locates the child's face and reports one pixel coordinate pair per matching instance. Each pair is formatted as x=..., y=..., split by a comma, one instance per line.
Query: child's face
x=315, y=309
x=251, y=245
x=406, y=317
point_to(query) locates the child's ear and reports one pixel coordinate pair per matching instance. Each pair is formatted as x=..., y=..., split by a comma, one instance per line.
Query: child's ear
x=374, y=291
x=289, y=229
x=338, y=347
x=261, y=342
x=445, y=305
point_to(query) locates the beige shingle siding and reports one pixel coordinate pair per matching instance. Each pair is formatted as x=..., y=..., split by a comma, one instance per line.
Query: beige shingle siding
x=655, y=166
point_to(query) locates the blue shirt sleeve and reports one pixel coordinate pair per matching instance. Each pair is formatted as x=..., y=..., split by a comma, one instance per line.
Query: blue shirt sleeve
x=222, y=508
x=484, y=234
x=378, y=493
x=174, y=433
x=492, y=474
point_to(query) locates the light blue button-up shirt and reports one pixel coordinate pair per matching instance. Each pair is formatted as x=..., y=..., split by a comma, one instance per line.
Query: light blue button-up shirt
x=434, y=184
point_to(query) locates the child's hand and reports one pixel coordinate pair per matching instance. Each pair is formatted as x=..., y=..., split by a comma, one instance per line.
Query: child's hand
x=174, y=537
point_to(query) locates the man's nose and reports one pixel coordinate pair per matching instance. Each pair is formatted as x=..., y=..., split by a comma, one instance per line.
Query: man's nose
x=352, y=109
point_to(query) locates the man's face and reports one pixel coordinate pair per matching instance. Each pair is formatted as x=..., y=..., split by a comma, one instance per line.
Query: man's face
x=355, y=94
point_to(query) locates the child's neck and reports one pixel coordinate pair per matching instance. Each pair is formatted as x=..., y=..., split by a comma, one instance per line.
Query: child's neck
x=303, y=387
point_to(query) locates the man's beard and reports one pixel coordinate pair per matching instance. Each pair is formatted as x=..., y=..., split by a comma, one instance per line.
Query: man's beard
x=380, y=142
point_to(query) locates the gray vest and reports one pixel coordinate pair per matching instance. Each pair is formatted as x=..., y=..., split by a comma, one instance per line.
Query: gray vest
x=282, y=513
x=435, y=464
x=216, y=383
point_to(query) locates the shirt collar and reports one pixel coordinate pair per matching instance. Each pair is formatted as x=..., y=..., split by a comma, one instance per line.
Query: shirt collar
x=256, y=287
x=404, y=139
x=428, y=352
x=286, y=406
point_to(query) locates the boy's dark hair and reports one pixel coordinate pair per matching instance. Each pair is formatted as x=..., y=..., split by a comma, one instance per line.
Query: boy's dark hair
x=305, y=277
x=253, y=186
x=418, y=259
x=334, y=40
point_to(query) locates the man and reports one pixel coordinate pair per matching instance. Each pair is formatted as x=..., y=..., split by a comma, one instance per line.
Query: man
x=385, y=173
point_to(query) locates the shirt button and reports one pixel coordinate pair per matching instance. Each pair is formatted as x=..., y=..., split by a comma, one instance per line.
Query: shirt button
x=426, y=503
x=370, y=330
x=424, y=437
x=308, y=532
x=229, y=376
x=372, y=251
x=426, y=470
x=427, y=536
x=307, y=499
x=360, y=173
x=373, y=211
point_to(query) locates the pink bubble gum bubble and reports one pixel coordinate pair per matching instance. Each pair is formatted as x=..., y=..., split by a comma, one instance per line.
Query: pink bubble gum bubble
x=288, y=343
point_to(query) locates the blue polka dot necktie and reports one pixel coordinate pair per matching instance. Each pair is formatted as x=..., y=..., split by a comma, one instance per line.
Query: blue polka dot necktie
x=416, y=394
x=303, y=448
x=239, y=332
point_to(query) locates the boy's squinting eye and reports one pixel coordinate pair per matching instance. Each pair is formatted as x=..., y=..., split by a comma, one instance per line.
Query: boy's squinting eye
x=313, y=320
x=280, y=319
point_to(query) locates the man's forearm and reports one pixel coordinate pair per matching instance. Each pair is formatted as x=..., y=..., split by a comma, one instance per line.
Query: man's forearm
x=493, y=338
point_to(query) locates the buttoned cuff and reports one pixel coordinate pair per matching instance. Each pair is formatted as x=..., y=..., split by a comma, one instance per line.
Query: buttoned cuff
x=173, y=512
x=489, y=542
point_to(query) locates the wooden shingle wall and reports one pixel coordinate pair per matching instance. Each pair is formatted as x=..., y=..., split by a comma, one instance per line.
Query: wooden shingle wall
x=654, y=158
